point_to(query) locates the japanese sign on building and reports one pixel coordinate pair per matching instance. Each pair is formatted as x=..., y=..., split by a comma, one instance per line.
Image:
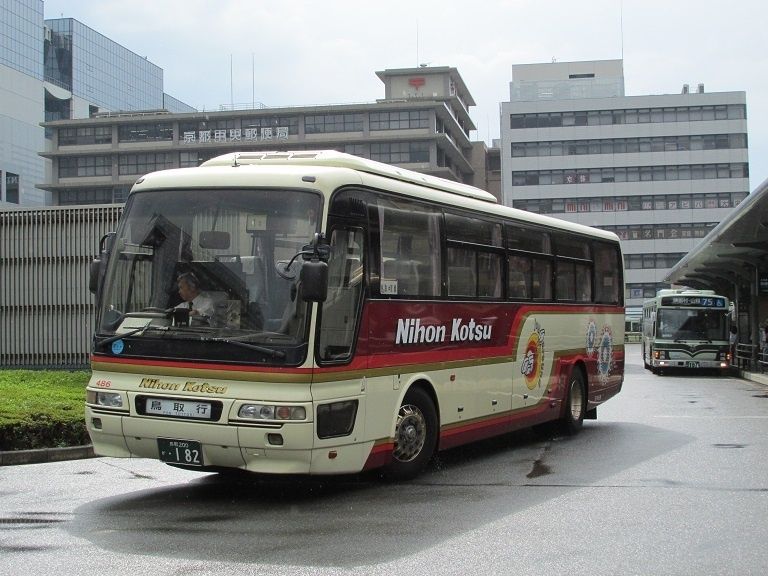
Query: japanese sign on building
x=236, y=135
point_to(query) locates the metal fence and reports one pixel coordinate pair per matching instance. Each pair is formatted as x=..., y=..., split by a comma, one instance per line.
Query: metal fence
x=46, y=310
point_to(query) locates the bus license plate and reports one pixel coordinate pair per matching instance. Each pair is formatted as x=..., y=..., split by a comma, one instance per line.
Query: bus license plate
x=186, y=452
x=179, y=408
x=692, y=364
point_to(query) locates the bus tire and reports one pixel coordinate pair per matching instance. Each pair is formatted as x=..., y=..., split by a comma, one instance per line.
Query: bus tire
x=415, y=436
x=575, y=403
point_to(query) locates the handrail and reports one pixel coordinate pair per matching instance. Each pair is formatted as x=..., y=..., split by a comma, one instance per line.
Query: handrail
x=746, y=356
x=762, y=359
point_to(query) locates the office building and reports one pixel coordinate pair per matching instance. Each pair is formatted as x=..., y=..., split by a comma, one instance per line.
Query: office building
x=60, y=68
x=659, y=170
x=422, y=123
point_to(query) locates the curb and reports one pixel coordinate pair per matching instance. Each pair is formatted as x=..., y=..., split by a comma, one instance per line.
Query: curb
x=757, y=377
x=43, y=455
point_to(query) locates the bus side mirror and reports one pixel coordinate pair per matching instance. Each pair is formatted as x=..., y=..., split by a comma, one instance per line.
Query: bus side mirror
x=98, y=265
x=94, y=275
x=314, y=281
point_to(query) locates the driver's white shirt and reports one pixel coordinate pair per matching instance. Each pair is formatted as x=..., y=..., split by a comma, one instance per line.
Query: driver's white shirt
x=202, y=303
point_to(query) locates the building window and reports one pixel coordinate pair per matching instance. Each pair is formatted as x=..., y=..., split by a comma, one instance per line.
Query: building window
x=631, y=116
x=144, y=163
x=631, y=174
x=190, y=159
x=631, y=145
x=360, y=150
x=85, y=166
x=85, y=135
x=400, y=152
x=403, y=120
x=11, y=187
x=643, y=291
x=329, y=123
x=85, y=196
x=288, y=124
x=146, y=132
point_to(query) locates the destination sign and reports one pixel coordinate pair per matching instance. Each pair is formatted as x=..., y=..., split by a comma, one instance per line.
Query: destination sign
x=697, y=301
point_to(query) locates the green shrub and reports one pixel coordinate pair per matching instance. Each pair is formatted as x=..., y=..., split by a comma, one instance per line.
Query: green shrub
x=42, y=409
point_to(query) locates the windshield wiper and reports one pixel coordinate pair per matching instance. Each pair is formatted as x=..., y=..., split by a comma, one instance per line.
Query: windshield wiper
x=268, y=351
x=116, y=337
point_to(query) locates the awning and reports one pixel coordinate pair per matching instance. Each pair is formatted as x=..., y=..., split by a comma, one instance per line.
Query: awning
x=732, y=250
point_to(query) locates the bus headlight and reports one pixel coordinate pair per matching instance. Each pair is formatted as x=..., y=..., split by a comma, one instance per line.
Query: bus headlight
x=272, y=412
x=106, y=399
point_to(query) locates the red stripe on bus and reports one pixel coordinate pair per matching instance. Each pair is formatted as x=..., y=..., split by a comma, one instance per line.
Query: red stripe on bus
x=95, y=358
x=380, y=455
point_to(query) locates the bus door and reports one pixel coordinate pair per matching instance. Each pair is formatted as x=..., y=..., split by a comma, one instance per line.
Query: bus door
x=339, y=377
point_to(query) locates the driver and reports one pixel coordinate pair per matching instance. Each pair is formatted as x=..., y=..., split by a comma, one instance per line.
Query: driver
x=200, y=304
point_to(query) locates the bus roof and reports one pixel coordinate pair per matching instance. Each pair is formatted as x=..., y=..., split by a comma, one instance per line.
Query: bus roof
x=684, y=292
x=290, y=165
x=335, y=159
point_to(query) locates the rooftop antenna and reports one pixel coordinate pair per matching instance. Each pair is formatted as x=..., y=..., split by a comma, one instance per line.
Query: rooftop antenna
x=417, y=42
x=621, y=26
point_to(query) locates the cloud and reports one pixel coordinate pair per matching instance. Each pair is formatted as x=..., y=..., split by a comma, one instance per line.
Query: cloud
x=309, y=52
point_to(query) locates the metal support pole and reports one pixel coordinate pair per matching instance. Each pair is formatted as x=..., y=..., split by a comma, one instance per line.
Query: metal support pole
x=754, y=318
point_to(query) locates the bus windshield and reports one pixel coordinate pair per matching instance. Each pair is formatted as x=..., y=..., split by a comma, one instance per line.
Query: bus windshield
x=691, y=324
x=194, y=274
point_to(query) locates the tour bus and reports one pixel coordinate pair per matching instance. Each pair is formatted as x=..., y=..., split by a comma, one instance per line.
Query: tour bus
x=361, y=316
x=685, y=329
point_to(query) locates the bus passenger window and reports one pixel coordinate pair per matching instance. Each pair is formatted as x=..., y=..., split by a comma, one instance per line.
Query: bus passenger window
x=489, y=275
x=461, y=281
x=461, y=272
x=607, y=274
x=583, y=283
x=541, y=283
x=410, y=249
x=519, y=277
x=565, y=285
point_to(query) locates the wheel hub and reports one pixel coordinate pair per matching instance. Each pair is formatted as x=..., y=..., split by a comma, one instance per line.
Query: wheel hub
x=410, y=433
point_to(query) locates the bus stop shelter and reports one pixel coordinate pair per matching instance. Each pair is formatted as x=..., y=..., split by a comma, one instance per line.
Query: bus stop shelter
x=732, y=260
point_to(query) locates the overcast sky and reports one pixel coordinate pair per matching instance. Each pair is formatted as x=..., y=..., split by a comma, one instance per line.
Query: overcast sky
x=303, y=52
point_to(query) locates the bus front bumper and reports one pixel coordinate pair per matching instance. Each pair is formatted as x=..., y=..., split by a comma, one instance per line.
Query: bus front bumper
x=703, y=364
x=290, y=449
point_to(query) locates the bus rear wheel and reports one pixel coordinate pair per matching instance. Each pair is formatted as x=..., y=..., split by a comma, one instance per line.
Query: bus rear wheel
x=415, y=436
x=575, y=403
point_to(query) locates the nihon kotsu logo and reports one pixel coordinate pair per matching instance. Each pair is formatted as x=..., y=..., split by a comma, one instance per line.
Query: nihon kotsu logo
x=533, y=357
x=412, y=331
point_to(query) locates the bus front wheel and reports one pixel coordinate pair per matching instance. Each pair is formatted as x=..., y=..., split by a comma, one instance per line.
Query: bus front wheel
x=415, y=436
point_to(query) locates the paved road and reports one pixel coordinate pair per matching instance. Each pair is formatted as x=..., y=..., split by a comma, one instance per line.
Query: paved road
x=671, y=479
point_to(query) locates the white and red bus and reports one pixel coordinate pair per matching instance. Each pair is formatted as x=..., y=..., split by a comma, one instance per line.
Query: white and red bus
x=358, y=316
